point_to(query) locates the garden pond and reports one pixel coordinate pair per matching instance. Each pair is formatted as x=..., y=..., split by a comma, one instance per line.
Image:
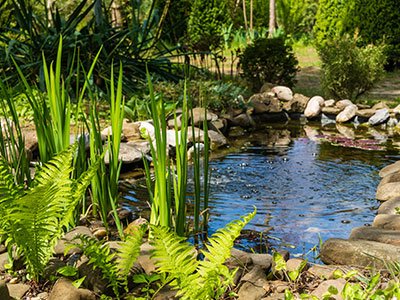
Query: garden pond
x=309, y=183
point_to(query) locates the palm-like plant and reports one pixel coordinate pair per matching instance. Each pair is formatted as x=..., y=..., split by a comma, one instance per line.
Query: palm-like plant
x=34, y=219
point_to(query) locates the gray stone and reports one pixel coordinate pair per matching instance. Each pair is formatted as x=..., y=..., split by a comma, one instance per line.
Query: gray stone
x=346, y=131
x=365, y=113
x=70, y=236
x=380, y=116
x=389, y=207
x=314, y=107
x=249, y=291
x=396, y=110
x=262, y=260
x=3, y=261
x=347, y=114
x=198, y=136
x=256, y=276
x=358, y=253
x=331, y=110
x=266, y=87
x=200, y=114
x=219, y=125
x=329, y=103
x=274, y=296
x=130, y=130
x=392, y=168
x=165, y=294
x=4, y=294
x=293, y=264
x=217, y=139
x=64, y=289
x=18, y=290
x=380, y=105
x=144, y=259
x=387, y=221
x=264, y=103
x=386, y=236
x=171, y=122
x=239, y=258
x=128, y=154
x=342, y=104
x=325, y=285
x=388, y=191
x=2, y=248
x=283, y=93
x=322, y=271
x=392, y=122
x=243, y=120
x=297, y=105
x=146, y=129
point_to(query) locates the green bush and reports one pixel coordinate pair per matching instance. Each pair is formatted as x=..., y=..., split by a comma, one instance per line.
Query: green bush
x=269, y=60
x=349, y=70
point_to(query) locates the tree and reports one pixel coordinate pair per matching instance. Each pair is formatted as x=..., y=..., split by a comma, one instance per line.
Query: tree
x=272, y=21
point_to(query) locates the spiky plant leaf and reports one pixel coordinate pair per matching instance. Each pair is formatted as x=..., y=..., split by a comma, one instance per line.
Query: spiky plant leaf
x=129, y=252
x=173, y=255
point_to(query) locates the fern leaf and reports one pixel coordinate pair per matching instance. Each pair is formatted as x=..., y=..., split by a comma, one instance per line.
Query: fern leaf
x=128, y=253
x=35, y=216
x=173, y=255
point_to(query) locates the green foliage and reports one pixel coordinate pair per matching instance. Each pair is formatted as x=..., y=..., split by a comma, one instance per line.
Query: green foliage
x=206, y=21
x=114, y=266
x=349, y=70
x=296, y=17
x=330, y=20
x=376, y=22
x=34, y=219
x=269, y=60
x=206, y=279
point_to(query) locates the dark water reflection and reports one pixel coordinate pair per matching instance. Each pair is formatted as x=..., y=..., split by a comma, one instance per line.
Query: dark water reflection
x=304, y=191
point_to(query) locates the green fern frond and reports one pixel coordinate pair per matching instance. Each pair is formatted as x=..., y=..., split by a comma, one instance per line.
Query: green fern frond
x=129, y=252
x=173, y=255
x=8, y=188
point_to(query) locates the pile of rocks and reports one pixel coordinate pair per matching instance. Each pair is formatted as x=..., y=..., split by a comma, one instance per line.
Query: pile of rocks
x=375, y=245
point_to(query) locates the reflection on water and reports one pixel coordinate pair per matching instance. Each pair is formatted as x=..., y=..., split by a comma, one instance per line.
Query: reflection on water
x=303, y=189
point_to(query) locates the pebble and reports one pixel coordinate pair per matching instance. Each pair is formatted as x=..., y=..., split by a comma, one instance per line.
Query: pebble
x=13, y=280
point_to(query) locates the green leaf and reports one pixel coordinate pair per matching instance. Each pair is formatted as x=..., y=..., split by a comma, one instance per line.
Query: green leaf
x=78, y=283
x=333, y=290
x=68, y=271
x=280, y=263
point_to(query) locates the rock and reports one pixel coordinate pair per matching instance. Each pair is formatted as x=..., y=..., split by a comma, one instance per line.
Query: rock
x=266, y=87
x=64, y=289
x=146, y=129
x=392, y=168
x=4, y=294
x=294, y=263
x=274, y=296
x=358, y=253
x=198, y=135
x=327, y=120
x=239, y=258
x=243, y=120
x=128, y=154
x=142, y=146
x=52, y=267
x=325, y=285
x=131, y=131
x=256, y=276
x=217, y=139
x=165, y=294
x=278, y=286
x=31, y=140
x=297, y=105
x=331, y=110
x=2, y=248
x=220, y=125
x=264, y=103
x=106, y=132
x=249, y=291
x=3, y=261
x=388, y=191
x=18, y=290
x=236, y=131
x=345, y=131
x=200, y=114
x=342, y=104
x=93, y=277
x=347, y=114
x=190, y=152
x=386, y=236
x=396, y=110
x=100, y=232
x=393, y=177
x=380, y=105
x=389, y=207
x=262, y=260
x=144, y=259
x=171, y=122
x=365, y=113
x=283, y=93
x=314, y=107
x=384, y=221
x=392, y=122
x=68, y=237
x=329, y=103
x=380, y=116
x=322, y=271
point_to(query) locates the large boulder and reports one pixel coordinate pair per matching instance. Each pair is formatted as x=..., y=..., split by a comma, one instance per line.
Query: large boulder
x=386, y=221
x=4, y=294
x=380, y=116
x=390, y=207
x=64, y=289
x=297, y=105
x=388, y=191
x=200, y=114
x=217, y=139
x=283, y=93
x=347, y=114
x=342, y=104
x=365, y=113
x=324, y=287
x=264, y=103
x=380, y=105
x=128, y=154
x=386, y=236
x=392, y=168
x=331, y=110
x=314, y=107
x=358, y=253
x=69, y=237
x=18, y=290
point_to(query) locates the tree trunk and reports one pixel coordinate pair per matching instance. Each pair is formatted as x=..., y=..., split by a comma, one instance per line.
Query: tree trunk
x=251, y=15
x=49, y=8
x=116, y=14
x=244, y=14
x=271, y=30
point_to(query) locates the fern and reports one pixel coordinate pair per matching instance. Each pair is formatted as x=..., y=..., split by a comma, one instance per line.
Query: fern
x=206, y=279
x=129, y=252
x=35, y=220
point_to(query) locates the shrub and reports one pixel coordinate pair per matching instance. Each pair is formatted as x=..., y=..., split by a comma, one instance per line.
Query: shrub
x=349, y=70
x=269, y=60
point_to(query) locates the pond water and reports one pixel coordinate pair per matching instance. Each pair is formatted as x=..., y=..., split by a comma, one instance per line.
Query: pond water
x=305, y=189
